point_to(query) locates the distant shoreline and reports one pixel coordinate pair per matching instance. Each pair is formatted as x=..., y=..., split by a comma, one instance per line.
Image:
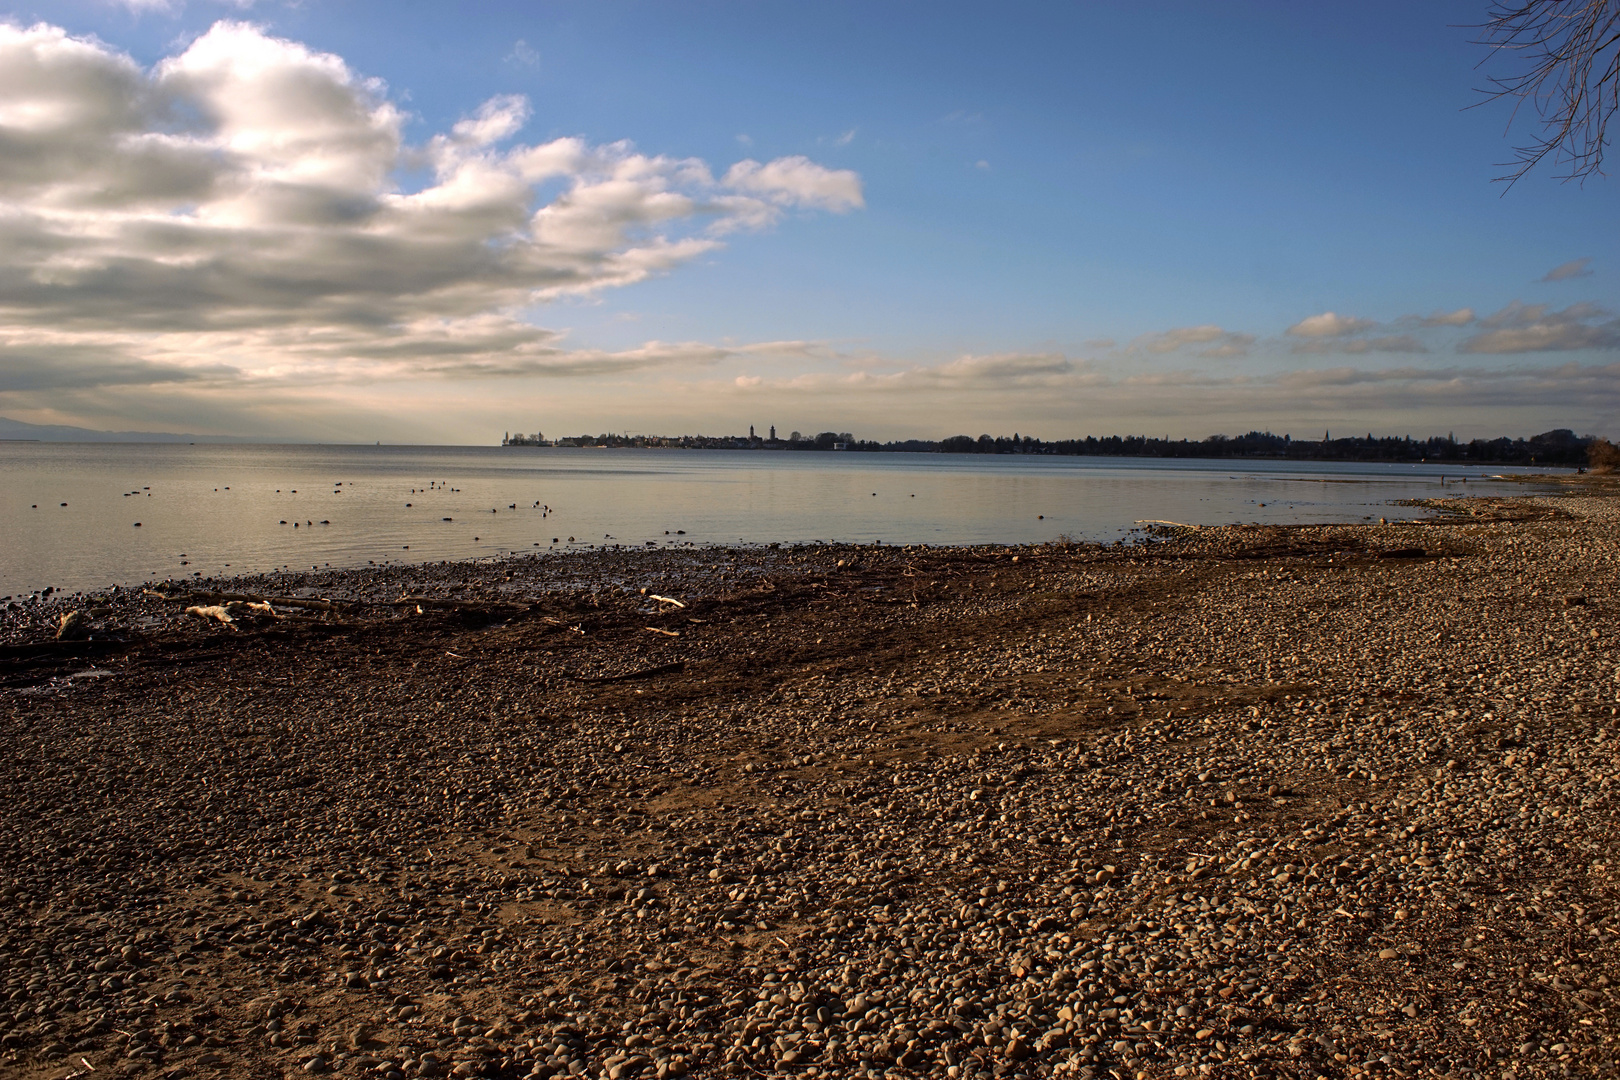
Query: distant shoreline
x=1121, y=457
x=1558, y=448
x=857, y=451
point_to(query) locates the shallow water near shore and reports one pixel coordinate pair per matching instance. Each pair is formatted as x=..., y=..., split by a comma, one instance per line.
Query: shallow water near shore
x=228, y=510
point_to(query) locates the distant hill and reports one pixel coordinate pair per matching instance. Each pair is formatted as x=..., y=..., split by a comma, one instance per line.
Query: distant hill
x=16, y=429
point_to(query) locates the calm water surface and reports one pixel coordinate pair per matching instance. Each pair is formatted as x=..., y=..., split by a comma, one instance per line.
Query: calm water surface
x=213, y=510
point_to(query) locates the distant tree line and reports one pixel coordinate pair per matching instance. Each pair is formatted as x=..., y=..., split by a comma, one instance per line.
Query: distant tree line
x=1560, y=447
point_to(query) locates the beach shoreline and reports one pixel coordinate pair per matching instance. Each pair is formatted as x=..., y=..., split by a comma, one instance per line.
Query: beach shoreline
x=1244, y=800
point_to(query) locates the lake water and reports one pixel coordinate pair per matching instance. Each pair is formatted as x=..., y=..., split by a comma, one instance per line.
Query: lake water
x=211, y=510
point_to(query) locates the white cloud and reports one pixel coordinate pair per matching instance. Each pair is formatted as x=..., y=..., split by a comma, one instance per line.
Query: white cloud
x=1524, y=328
x=845, y=139
x=523, y=53
x=1222, y=343
x=1185, y=335
x=1517, y=314
x=1575, y=268
x=798, y=181
x=1329, y=324
x=238, y=204
x=496, y=120
x=1003, y=369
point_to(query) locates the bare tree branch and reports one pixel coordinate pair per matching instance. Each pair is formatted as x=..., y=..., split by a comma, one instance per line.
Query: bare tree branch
x=1567, y=55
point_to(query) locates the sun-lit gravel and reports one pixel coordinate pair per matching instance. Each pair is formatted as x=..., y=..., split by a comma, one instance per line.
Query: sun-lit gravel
x=1241, y=802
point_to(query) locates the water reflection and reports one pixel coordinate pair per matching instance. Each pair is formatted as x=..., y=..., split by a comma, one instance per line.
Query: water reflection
x=81, y=516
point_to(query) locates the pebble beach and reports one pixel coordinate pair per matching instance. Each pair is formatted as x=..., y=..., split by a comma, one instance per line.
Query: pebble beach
x=1268, y=801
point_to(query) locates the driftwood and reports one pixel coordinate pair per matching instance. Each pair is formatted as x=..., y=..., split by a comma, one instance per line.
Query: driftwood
x=245, y=598
x=73, y=626
x=231, y=611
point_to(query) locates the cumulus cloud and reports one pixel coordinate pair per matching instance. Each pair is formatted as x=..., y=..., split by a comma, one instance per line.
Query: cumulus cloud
x=1329, y=325
x=1523, y=328
x=798, y=181
x=1002, y=369
x=239, y=203
x=1221, y=343
x=1575, y=268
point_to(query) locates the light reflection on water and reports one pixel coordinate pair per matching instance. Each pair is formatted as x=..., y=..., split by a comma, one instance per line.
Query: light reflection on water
x=220, y=508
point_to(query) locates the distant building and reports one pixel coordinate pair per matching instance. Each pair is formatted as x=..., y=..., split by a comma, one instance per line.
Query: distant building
x=520, y=439
x=773, y=433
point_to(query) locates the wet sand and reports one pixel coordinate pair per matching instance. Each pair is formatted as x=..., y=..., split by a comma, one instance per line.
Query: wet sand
x=1333, y=800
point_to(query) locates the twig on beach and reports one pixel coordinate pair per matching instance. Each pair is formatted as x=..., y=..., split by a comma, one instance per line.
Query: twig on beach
x=666, y=600
x=1155, y=521
x=666, y=633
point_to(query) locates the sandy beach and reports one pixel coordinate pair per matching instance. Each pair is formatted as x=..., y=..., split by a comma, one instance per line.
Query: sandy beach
x=1251, y=801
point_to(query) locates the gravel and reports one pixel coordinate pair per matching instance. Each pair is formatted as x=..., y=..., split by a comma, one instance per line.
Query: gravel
x=1224, y=802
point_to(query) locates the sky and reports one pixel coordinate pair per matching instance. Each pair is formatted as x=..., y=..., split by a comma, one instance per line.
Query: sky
x=435, y=223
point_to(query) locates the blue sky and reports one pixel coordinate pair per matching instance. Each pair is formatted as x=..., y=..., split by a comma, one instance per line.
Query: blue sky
x=1059, y=218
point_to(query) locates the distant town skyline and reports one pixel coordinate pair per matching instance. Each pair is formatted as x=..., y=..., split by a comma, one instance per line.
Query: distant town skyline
x=406, y=223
